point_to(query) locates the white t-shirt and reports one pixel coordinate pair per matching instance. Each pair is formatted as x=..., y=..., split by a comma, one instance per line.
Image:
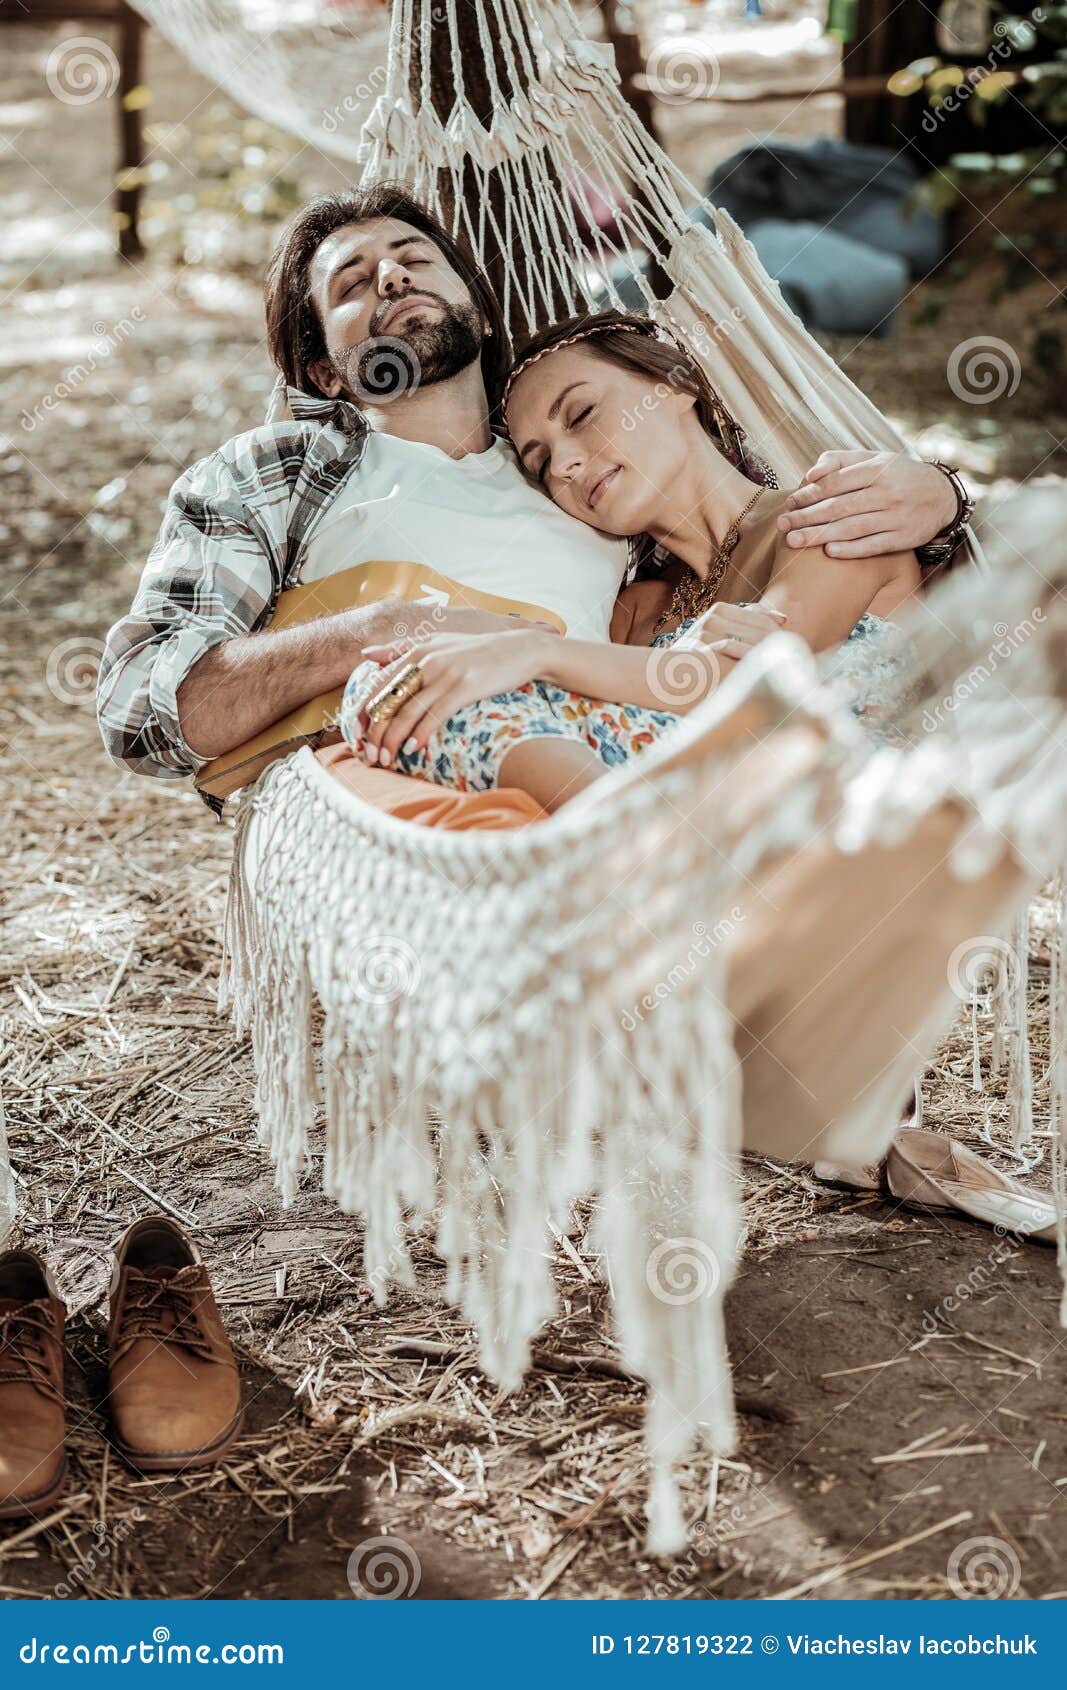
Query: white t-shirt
x=474, y=521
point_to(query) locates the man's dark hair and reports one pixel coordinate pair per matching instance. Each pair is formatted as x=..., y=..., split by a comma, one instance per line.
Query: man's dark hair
x=294, y=332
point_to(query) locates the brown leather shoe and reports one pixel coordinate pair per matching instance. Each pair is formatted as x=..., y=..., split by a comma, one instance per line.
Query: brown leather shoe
x=175, y=1392
x=33, y=1421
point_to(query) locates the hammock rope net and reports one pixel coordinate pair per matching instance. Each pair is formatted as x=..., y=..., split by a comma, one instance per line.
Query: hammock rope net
x=522, y=184
x=472, y=1066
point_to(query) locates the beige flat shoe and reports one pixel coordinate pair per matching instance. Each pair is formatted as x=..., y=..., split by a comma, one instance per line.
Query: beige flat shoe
x=929, y=1170
x=932, y=1171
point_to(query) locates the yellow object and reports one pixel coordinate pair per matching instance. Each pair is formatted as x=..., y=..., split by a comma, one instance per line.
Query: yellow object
x=995, y=85
x=904, y=82
x=366, y=583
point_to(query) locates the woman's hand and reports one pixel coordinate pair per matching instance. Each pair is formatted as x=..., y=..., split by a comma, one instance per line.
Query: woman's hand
x=731, y=630
x=456, y=669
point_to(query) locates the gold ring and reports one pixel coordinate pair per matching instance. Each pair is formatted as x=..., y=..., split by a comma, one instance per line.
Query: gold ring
x=384, y=706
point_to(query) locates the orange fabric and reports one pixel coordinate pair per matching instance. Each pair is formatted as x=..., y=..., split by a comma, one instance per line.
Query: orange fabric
x=426, y=805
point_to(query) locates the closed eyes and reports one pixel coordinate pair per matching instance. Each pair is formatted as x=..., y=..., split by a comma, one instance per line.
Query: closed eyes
x=358, y=283
x=574, y=422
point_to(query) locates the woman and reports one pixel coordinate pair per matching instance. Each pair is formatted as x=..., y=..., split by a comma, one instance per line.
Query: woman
x=623, y=432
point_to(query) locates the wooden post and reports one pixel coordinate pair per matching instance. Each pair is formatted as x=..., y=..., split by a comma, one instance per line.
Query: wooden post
x=887, y=37
x=633, y=80
x=131, y=138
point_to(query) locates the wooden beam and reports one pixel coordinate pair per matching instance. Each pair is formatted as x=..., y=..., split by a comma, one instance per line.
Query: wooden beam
x=630, y=63
x=131, y=130
x=851, y=88
x=887, y=37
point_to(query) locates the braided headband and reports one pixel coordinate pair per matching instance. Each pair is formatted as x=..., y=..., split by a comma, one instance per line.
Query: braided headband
x=652, y=331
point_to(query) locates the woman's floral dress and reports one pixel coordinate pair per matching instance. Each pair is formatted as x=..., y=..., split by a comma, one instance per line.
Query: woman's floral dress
x=467, y=752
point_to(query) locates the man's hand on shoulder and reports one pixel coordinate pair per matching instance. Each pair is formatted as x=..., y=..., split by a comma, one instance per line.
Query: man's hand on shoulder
x=863, y=504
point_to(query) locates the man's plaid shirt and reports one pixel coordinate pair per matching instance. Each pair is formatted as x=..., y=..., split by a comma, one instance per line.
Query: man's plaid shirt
x=233, y=537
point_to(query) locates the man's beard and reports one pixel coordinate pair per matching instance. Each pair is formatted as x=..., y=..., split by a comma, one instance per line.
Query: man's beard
x=388, y=366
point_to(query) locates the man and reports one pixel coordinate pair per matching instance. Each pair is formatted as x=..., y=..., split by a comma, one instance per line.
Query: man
x=394, y=350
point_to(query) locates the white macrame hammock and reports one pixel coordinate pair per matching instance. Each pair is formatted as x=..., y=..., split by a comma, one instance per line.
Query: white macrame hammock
x=480, y=1064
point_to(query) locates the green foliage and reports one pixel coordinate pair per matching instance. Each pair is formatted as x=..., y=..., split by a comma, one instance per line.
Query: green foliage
x=1026, y=62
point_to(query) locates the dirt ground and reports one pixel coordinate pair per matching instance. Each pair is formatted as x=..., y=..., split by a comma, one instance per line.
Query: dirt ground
x=124, y=1092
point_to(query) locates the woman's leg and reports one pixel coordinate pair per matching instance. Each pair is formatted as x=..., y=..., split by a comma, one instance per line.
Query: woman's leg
x=540, y=740
x=599, y=737
x=550, y=770
x=840, y=980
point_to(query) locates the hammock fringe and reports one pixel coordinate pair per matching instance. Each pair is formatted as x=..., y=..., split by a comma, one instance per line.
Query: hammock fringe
x=482, y=1070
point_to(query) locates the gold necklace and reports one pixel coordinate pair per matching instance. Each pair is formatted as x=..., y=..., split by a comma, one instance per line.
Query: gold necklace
x=692, y=595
